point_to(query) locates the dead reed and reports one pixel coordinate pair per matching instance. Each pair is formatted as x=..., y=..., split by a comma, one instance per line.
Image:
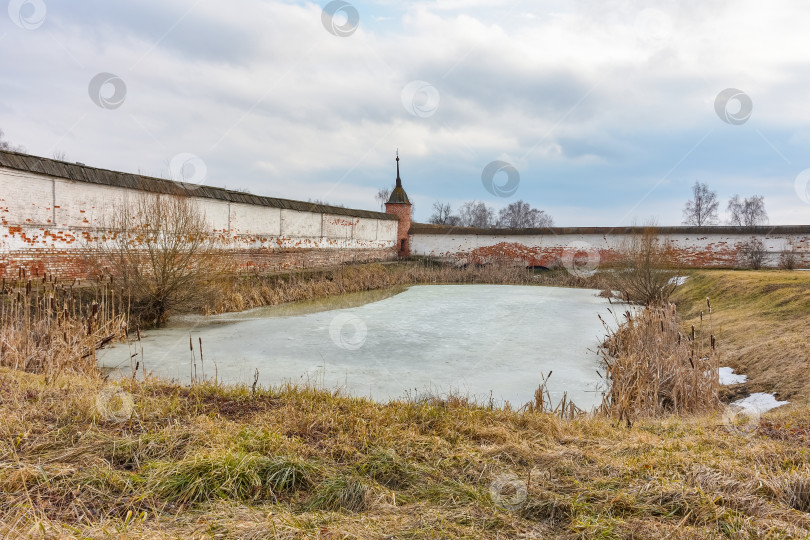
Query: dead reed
x=240, y=292
x=564, y=409
x=46, y=326
x=653, y=369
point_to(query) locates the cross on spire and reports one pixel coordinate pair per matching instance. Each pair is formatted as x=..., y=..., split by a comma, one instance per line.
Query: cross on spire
x=399, y=181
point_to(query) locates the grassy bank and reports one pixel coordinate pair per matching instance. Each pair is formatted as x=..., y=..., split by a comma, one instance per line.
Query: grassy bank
x=297, y=463
x=83, y=457
x=762, y=322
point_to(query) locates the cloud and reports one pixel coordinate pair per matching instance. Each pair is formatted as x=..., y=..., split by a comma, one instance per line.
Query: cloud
x=594, y=102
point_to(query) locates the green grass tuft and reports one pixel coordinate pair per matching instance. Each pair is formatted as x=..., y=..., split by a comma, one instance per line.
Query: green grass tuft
x=386, y=468
x=232, y=475
x=341, y=493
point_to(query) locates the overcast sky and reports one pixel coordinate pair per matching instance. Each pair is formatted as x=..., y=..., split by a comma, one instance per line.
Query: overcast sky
x=606, y=109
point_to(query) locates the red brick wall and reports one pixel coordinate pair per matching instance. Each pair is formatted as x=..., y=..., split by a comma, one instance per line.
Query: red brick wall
x=403, y=212
x=707, y=249
x=79, y=264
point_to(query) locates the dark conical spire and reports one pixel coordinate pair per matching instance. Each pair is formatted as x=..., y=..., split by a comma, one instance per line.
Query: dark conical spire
x=399, y=180
x=398, y=195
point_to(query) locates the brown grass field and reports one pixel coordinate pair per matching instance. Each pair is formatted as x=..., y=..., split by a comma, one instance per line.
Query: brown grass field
x=762, y=320
x=84, y=457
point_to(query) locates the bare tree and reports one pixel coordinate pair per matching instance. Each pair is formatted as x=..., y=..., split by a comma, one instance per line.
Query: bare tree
x=323, y=203
x=5, y=145
x=441, y=213
x=382, y=197
x=476, y=214
x=701, y=209
x=161, y=254
x=748, y=212
x=521, y=215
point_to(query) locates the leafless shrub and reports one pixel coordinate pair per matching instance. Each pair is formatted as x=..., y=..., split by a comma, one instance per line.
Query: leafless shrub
x=752, y=254
x=162, y=255
x=789, y=259
x=644, y=272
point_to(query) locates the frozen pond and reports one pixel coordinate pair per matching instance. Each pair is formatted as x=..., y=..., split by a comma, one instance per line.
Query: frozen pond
x=474, y=340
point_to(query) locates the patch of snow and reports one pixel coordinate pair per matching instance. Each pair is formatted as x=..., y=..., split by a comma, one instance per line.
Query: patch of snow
x=760, y=402
x=727, y=376
x=678, y=280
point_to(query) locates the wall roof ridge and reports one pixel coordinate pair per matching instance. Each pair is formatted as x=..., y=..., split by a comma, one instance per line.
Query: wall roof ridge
x=429, y=228
x=79, y=172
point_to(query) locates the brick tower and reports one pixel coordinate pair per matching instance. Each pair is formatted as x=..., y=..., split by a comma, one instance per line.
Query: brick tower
x=399, y=205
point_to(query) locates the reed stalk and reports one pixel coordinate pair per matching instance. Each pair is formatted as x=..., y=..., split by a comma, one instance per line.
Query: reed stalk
x=47, y=327
x=653, y=369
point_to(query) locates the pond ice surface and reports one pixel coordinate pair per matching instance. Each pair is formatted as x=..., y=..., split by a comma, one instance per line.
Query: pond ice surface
x=468, y=339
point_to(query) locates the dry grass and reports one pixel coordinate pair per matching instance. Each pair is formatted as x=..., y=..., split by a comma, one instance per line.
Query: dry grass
x=297, y=462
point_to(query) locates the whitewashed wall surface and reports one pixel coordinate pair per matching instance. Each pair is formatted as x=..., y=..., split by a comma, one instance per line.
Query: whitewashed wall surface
x=690, y=246
x=47, y=204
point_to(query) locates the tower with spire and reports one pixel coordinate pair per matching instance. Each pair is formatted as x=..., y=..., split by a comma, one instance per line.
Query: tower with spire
x=399, y=205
